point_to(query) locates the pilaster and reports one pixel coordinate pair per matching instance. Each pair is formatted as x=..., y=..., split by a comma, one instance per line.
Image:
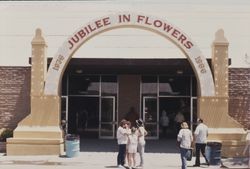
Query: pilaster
x=214, y=110
x=39, y=133
x=220, y=64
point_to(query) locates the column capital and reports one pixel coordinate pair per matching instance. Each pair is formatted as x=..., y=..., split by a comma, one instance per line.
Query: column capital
x=38, y=38
x=220, y=38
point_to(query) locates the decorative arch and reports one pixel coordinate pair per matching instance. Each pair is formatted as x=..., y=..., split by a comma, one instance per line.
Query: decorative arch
x=130, y=20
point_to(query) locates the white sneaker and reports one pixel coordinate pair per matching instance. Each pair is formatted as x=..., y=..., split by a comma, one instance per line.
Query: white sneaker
x=120, y=166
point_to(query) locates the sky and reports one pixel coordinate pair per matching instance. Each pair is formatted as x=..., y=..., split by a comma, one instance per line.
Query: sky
x=58, y=20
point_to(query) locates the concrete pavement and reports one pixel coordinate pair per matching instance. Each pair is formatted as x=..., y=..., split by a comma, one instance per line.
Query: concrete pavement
x=102, y=154
x=102, y=160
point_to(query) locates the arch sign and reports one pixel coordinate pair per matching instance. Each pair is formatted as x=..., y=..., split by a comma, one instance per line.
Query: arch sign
x=130, y=20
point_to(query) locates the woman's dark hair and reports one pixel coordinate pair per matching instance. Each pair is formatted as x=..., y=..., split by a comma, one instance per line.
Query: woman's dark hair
x=139, y=123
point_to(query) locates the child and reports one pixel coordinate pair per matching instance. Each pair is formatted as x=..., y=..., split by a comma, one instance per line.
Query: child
x=132, y=148
x=129, y=132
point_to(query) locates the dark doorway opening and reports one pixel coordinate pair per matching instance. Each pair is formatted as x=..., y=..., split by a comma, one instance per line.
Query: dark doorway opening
x=171, y=106
x=83, y=116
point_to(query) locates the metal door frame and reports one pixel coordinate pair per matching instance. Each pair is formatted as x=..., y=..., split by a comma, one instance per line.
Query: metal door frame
x=100, y=118
x=157, y=113
x=192, y=112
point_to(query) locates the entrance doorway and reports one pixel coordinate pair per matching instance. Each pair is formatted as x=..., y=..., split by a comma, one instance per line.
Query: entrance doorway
x=89, y=105
x=175, y=108
x=83, y=116
x=155, y=108
x=165, y=98
x=92, y=110
x=107, y=117
x=91, y=118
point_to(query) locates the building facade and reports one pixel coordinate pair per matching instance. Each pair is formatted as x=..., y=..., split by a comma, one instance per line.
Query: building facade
x=15, y=95
x=93, y=95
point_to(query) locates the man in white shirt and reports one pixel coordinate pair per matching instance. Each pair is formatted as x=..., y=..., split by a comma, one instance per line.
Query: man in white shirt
x=122, y=140
x=201, y=133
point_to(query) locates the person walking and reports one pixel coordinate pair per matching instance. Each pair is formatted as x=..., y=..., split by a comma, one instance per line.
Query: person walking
x=122, y=139
x=200, y=133
x=184, y=139
x=179, y=118
x=142, y=132
x=164, y=122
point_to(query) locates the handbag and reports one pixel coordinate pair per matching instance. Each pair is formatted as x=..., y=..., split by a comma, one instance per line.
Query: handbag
x=189, y=154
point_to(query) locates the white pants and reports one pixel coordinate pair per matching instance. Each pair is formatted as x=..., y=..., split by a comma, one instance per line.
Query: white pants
x=141, y=150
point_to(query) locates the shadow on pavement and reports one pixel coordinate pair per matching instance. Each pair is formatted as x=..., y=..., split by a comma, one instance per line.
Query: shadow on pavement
x=104, y=145
x=110, y=166
x=236, y=162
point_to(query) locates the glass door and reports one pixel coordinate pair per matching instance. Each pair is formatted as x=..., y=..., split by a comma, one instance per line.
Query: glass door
x=107, y=117
x=150, y=116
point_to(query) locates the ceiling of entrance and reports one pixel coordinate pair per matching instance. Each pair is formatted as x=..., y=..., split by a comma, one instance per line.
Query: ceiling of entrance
x=130, y=66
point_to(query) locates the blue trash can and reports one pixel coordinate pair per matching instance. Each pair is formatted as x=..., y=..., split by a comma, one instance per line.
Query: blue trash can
x=213, y=153
x=72, y=145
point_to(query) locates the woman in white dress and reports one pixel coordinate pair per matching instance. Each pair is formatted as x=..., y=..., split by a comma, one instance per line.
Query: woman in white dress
x=132, y=148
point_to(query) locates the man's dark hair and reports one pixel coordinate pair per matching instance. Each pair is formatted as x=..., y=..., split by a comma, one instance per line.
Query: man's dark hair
x=123, y=121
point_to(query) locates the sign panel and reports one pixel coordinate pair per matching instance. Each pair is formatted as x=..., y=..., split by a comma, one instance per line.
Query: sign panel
x=137, y=21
